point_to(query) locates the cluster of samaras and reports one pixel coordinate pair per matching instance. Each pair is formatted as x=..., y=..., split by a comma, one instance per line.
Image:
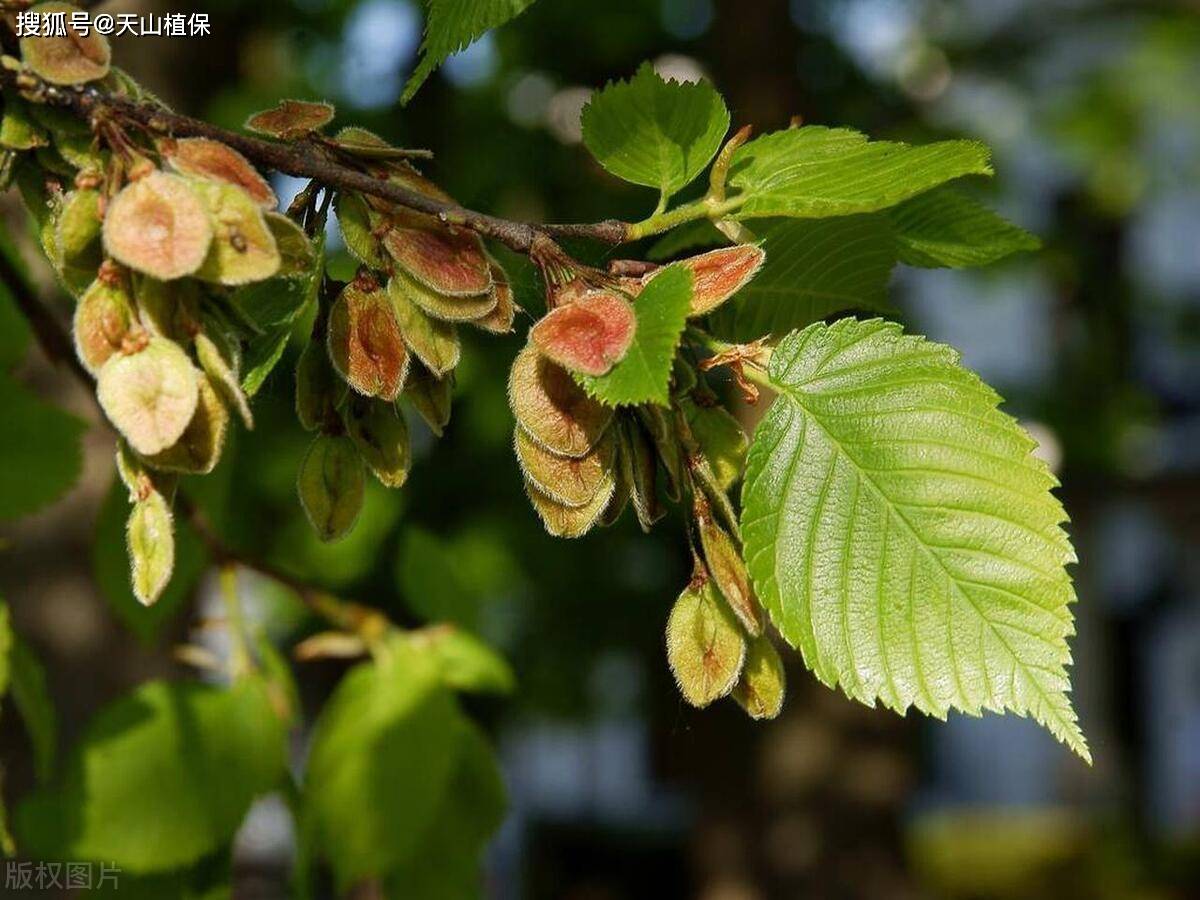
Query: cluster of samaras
x=172, y=246
x=160, y=239
x=392, y=332
x=155, y=238
x=584, y=462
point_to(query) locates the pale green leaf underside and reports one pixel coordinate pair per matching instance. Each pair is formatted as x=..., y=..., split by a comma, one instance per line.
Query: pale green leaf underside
x=453, y=25
x=653, y=132
x=814, y=268
x=813, y=172
x=644, y=374
x=945, y=228
x=902, y=536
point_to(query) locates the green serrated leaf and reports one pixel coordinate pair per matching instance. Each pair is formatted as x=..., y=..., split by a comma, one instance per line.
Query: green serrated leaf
x=454, y=25
x=161, y=778
x=643, y=375
x=947, y=228
x=901, y=534
x=813, y=269
x=40, y=455
x=655, y=132
x=816, y=172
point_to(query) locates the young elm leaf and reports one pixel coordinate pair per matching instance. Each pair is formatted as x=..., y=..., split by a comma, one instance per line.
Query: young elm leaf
x=655, y=132
x=643, y=375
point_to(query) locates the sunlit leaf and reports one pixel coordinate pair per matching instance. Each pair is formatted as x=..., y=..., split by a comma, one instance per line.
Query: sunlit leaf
x=901, y=534
x=816, y=172
x=453, y=25
x=655, y=132
x=947, y=228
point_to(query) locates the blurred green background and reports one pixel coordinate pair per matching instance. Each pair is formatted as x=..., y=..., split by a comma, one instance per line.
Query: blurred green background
x=619, y=790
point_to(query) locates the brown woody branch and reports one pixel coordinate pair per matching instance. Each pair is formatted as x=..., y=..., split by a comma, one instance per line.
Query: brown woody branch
x=305, y=159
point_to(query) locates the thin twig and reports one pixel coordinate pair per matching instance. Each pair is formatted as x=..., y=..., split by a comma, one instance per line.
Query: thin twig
x=304, y=159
